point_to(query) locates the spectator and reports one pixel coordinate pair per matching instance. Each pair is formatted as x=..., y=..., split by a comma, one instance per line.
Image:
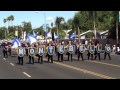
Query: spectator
x=114, y=48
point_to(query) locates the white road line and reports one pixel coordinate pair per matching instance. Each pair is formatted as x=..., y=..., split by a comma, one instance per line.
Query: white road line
x=85, y=71
x=26, y=74
x=12, y=64
x=114, y=65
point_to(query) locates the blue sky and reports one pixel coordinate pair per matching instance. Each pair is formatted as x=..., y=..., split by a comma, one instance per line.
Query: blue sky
x=35, y=17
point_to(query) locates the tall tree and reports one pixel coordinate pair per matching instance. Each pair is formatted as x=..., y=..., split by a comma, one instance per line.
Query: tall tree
x=58, y=22
x=76, y=22
x=27, y=26
x=52, y=24
x=5, y=20
x=8, y=19
x=12, y=19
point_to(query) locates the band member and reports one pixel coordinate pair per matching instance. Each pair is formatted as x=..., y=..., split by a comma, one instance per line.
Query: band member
x=50, y=52
x=31, y=54
x=56, y=51
x=21, y=52
x=97, y=51
x=26, y=49
x=90, y=54
x=70, y=50
x=40, y=53
x=60, y=51
x=107, y=51
x=5, y=50
x=9, y=49
x=80, y=53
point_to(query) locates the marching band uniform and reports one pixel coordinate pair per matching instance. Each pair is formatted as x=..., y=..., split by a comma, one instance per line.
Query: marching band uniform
x=79, y=53
x=20, y=59
x=89, y=54
x=69, y=54
x=59, y=54
x=97, y=53
x=5, y=49
x=9, y=50
x=40, y=58
x=50, y=56
x=31, y=58
x=56, y=49
x=26, y=49
x=107, y=53
x=76, y=49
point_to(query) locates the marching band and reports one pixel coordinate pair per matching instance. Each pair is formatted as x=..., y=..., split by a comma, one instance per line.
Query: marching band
x=40, y=49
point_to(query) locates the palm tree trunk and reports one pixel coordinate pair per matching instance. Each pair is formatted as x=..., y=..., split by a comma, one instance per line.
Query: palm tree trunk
x=57, y=34
x=8, y=26
x=78, y=35
x=117, y=26
x=94, y=25
x=5, y=31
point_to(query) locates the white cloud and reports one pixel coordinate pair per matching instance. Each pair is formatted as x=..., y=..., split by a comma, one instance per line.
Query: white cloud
x=49, y=18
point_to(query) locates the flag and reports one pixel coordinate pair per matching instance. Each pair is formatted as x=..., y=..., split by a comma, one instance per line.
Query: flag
x=48, y=34
x=56, y=36
x=31, y=38
x=16, y=42
x=72, y=36
x=34, y=34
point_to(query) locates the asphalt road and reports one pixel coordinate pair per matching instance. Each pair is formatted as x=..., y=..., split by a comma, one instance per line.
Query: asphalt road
x=88, y=69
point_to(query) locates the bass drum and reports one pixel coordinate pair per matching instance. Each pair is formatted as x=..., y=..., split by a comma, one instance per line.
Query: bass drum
x=99, y=49
x=91, y=49
x=82, y=48
x=108, y=49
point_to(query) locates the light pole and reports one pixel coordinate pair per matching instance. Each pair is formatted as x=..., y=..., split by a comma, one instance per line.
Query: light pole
x=45, y=24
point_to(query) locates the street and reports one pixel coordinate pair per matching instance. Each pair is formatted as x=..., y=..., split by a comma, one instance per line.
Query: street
x=88, y=69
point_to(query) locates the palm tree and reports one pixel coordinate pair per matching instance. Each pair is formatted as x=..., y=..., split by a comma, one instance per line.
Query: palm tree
x=8, y=19
x=58, y=22
x=76, y=23
x=12, y=19
x=5, y=20
x=52, y=24
x=93, y=14
x=94, y=24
